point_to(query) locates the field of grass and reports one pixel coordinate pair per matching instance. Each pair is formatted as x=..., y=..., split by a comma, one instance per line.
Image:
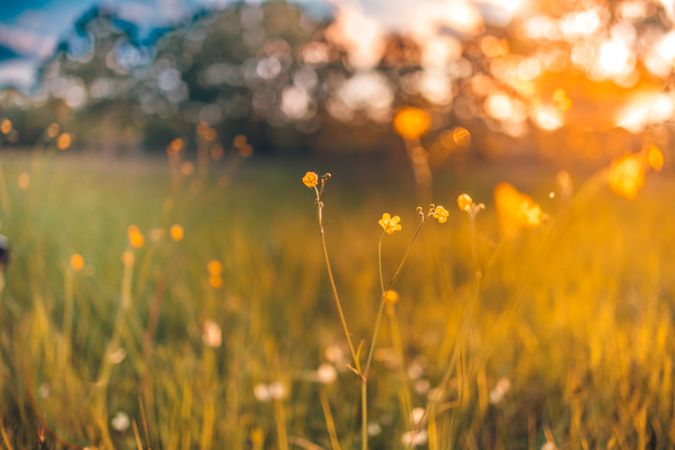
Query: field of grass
x=561, y=337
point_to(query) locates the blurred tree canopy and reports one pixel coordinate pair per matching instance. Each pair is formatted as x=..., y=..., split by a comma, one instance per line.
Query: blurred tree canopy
x=293, y=81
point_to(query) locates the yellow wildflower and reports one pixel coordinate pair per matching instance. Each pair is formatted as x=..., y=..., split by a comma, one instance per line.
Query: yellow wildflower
x=76, y=262
x=215, y=280
x=465, y=203
x=64, y=141
x=516, y=210
x=5, y=126
x=391, y=297
x=390, y=224
x=136, y=238
x=214, y=267
x=176, y=231
x=440, y=214
x=655, y=158
x=311, y=179
x=410, y=123
x=627, y=176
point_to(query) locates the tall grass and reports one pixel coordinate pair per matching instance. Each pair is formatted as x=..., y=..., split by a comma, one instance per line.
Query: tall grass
x=564, y=337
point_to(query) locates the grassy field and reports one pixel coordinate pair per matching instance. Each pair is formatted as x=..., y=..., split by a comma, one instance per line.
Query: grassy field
x=561, y=337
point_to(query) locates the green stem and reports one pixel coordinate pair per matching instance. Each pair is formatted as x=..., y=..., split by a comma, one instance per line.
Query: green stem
x=333, y=286
x=378, y=319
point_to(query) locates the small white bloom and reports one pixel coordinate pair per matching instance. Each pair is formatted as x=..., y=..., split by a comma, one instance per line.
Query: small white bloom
x=212, y=335
x=43, y=391
x=416, y=415
x=414, y=438
x=277, y=390
x=422, y=386
x=120, y=422
x=549, y=446
x=374, y=429
x=415, y=370
x=117, y=356
x=261, y=392
x=326, y=373
x=499, y=391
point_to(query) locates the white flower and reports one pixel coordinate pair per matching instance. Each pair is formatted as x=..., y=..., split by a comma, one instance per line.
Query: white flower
x=326, y=373
x=499, y=391
x=120, y=422
x=277, y=390
x=261, y=392
x=117, y=356
x=374, y=429
x=422, y=386
x=416, y=415
x=212, y=336
x=414, y=438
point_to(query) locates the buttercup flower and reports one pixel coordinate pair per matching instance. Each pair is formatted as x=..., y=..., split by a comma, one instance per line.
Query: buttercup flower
x=440, y=214
x=391, y=297
x=411, y=123
x=390, y=224
x=176, y=231
x=627, y=176
x=76, y=262
x=655, y=158
x=311, y=179
x=136, y=238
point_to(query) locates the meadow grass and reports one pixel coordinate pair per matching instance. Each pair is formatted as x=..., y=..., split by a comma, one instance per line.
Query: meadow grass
x=560, y=337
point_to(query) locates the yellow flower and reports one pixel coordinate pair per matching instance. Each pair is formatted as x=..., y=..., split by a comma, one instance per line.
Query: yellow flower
x=655, y=158
x=5, y=126
x=464, y=202
x=627, y=176
x=175, y=146
x=311, y=179
x=440, y=214
x=214, y=267
x=136, y=238
x=410, y=123
x=390, y=224
x=516, y=210
x=215, y=280
x=391, y=297
x=176, y=231
x=64, y=141
x=76, y=262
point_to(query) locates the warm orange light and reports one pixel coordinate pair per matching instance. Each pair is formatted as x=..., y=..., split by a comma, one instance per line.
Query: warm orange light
x=655, y=158
x=136, y=238
x=411, y=123
x=64, y=141
x=516, y=210
x=627, y=176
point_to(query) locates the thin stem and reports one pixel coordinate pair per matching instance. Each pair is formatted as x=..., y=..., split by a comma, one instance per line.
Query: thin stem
x=330, y=423
x=472, y=233
x=379, y=263
x=333, y=286
x=378, y=319
x=364, y=414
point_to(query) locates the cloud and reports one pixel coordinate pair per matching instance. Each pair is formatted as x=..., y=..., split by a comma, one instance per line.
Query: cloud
x=26, y=42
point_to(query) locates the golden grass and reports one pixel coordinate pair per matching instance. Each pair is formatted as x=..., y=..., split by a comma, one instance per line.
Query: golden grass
x=563, y=334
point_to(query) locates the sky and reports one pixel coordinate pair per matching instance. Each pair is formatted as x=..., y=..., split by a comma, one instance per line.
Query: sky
x=29, y=29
